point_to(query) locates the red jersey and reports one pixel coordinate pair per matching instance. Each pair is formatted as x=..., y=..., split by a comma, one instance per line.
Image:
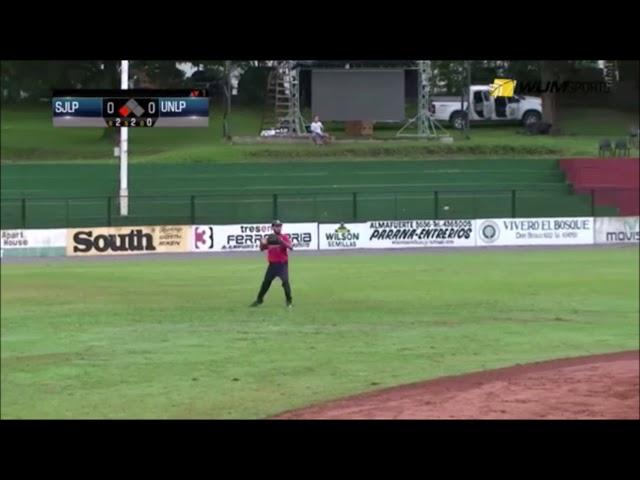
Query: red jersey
x=279, y=253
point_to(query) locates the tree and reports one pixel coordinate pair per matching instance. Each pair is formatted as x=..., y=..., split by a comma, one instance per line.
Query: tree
x=156, y=74
x=31, y=81
x=549, y=73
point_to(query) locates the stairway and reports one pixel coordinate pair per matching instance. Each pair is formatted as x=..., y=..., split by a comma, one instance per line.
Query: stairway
x=613, y=181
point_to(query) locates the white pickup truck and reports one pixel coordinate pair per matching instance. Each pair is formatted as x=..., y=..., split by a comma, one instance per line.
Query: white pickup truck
x=486, y=107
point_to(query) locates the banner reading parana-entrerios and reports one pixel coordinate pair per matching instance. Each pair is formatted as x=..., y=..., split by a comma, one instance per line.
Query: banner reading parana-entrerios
x=128, y=240
x=398, y=234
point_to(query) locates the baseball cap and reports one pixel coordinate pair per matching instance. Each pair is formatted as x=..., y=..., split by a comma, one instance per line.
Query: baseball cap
x=276, y=222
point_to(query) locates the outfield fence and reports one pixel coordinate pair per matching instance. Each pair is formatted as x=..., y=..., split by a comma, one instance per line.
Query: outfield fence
x=374, y=234
x=88, y=211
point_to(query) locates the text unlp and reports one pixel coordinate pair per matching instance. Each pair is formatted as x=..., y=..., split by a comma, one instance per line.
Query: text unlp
x=167, y=106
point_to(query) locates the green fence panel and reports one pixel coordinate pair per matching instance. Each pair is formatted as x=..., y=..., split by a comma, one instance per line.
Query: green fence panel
x=376, y=206
x=332, y=208
x=11, y=214
x=46, y=213
x=88, y=212
x=297, y=208
x=544, y=204
x=416, y=206
x=233, y=209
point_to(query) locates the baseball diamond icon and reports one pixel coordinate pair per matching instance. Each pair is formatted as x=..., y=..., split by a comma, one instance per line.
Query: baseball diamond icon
x=131, y=106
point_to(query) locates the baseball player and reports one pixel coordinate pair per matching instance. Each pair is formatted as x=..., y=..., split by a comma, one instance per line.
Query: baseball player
x=277, y=246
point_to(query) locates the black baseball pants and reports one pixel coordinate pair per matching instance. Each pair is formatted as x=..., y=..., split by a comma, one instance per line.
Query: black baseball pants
x=276, y=270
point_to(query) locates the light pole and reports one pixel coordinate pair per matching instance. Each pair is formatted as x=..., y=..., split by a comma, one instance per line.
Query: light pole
x=124, y=147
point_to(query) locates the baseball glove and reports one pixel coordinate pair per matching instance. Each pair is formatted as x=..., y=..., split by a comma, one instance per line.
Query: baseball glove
x=273, y=239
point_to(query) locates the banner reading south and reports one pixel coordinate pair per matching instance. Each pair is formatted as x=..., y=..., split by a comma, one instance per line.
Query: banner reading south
x=127, y=240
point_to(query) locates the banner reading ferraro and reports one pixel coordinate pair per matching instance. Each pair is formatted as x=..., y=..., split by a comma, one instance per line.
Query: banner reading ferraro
x=617, y=229
x=127, y=240
x=246, y=237
x=535, y=231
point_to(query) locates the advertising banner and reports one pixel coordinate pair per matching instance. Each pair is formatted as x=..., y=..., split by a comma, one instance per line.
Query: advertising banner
x=535, y=231
x=202, y=239
x=618, y=230
x=343, y=236
x=398, y=234
x=422, y=233
x=128, y=240
x=246, y=237
x=30, y=243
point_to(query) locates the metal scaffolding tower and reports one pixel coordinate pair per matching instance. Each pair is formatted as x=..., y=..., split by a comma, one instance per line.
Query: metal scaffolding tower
x=427, y=127
x=282, y=111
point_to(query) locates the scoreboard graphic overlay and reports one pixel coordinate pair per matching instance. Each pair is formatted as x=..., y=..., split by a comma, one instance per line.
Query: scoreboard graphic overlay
x=130, y=108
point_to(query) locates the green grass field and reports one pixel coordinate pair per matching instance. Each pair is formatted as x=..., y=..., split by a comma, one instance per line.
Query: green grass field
x=28, y=135
x=174, y=338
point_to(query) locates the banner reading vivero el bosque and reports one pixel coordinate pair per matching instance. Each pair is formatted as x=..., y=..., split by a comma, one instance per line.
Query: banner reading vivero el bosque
x=535, y=231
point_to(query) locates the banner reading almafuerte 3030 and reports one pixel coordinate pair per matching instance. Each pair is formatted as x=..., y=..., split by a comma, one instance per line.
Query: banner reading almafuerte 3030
x=398, y=234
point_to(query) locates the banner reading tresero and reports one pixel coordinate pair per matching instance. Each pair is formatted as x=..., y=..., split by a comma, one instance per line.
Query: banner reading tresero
x=234, y=238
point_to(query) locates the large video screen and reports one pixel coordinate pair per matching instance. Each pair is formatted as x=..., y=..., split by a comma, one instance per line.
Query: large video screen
x=351, y=95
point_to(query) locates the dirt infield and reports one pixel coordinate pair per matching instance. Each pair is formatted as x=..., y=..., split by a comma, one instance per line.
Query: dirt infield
x=595, y=387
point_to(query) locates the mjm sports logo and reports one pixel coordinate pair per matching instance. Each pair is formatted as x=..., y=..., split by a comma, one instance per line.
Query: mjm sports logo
x=504, y=87
x=203, y=238
x=134, y=241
